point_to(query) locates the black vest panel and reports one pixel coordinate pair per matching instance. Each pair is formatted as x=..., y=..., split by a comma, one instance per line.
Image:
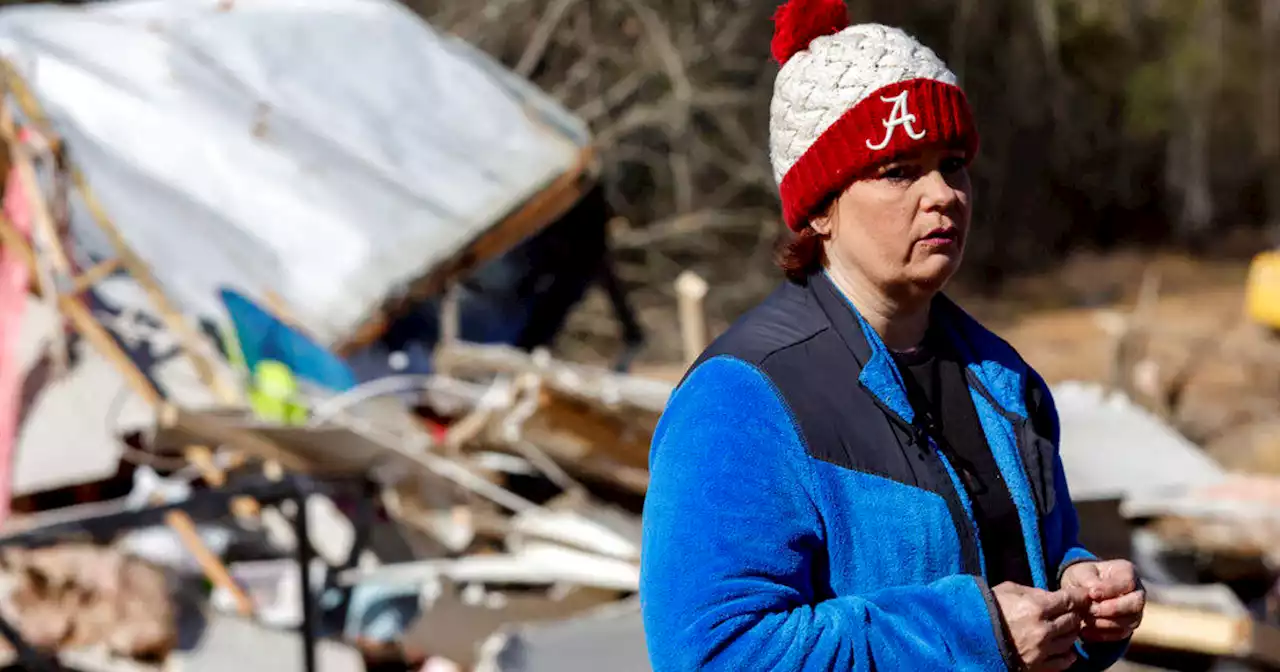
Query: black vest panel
x=808, y=343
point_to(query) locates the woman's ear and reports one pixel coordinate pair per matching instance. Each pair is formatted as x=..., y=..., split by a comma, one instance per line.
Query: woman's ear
x=825, y=221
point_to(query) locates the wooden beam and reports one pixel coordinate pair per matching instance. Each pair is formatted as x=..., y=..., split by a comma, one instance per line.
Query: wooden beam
x=1186, y=629
x=93, y=276
x=42, y=217
x=213, y=568
x=193, y=343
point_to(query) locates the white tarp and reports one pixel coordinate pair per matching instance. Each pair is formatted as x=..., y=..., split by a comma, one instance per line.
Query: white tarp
x=329, y=151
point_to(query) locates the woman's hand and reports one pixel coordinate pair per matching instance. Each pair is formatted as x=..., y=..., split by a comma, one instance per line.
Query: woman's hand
x=1043, y=625
x=1117, y=598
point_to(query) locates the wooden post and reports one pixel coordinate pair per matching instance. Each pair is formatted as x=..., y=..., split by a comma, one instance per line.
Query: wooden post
x=691, y=289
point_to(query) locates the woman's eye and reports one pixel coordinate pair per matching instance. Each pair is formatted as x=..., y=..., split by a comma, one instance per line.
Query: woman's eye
x=952, y=164
x=896, y=173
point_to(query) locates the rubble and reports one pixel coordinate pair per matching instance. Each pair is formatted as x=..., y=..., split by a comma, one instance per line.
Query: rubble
x=414, y=515
x=477, y=509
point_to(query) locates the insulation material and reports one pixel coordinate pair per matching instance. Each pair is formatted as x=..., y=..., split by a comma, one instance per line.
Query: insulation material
x=246, y=145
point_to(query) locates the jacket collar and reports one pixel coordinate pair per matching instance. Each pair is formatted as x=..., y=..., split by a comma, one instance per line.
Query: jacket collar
x=993, y=365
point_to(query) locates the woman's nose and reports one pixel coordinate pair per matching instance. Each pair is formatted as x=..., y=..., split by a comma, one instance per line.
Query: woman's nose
x=939, y=194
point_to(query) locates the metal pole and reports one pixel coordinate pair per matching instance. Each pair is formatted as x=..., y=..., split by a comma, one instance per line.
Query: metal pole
x=305, y=554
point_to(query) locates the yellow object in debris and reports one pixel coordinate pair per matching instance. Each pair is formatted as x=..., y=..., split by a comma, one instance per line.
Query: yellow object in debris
x=1262, y=290
x=274, y=394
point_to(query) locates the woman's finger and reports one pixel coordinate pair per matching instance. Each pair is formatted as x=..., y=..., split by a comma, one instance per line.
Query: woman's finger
x=1124, y=605
x=1110, y=629
x=1118, y=623
x=1066, y=625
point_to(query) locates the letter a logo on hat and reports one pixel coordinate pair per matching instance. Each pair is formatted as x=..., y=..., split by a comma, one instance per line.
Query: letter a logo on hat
x=898, y=116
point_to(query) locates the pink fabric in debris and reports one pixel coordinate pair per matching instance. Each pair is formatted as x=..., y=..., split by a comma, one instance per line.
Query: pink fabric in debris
x=14, y=278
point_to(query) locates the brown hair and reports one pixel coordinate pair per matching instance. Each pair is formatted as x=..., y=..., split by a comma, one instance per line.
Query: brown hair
x=801, y=253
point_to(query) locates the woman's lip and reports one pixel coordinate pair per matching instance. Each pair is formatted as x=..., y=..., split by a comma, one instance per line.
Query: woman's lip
x=943, y=234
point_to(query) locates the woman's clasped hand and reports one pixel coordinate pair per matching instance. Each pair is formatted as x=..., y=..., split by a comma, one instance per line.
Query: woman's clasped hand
x=1097, y=602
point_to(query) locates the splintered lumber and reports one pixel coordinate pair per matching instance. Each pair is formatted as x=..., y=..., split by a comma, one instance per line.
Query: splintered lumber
x=592, y=422
x=592, y=444
x=96, y=274
x=198, y=350
x=207, y=560
x=600, y=387
x=193, y=344
x=42, y=216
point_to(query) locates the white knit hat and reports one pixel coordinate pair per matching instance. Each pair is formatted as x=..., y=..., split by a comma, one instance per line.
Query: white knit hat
x=850, y=98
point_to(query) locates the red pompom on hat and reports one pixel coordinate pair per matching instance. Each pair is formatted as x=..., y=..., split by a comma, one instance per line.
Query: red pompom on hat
x=799, y=22
x=851, y=98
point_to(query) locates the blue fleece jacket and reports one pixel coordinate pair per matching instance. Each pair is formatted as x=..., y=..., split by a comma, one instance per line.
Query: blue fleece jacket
x=756, y=556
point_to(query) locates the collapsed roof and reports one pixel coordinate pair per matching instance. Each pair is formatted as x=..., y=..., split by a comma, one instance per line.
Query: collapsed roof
x=249, y=146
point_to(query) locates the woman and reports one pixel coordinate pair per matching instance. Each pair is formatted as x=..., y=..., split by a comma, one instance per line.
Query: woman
x=857, y=475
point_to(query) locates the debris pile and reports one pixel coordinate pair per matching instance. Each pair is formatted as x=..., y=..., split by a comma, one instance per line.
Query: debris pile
x=1205, y=540
x=319, y=427
x=283, y=431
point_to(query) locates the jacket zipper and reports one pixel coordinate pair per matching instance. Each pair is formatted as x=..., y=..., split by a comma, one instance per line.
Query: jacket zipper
x=965, y=502
x=1021, y=451
x=922, y=438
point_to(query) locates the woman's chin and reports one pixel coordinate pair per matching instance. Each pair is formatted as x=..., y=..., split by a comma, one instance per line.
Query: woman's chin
x=934, y=272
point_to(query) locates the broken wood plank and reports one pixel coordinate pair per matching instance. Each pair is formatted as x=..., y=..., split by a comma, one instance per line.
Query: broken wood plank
x=1185, y=629
x=537, y=563
x=42, y=217
x=94, y=275
x=209, y=563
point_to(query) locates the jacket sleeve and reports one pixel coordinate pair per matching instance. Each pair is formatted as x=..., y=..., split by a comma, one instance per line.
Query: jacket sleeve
x=732, y=541
x=1043, y=412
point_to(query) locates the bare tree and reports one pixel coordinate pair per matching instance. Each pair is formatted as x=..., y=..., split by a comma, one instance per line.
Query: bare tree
x=1188, y=168
x=1269, y=107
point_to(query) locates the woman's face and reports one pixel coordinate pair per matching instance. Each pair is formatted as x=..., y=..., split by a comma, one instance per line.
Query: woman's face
x=904, y=228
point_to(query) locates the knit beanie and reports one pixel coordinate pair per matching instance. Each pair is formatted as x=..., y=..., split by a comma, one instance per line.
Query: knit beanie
x=848, y=99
